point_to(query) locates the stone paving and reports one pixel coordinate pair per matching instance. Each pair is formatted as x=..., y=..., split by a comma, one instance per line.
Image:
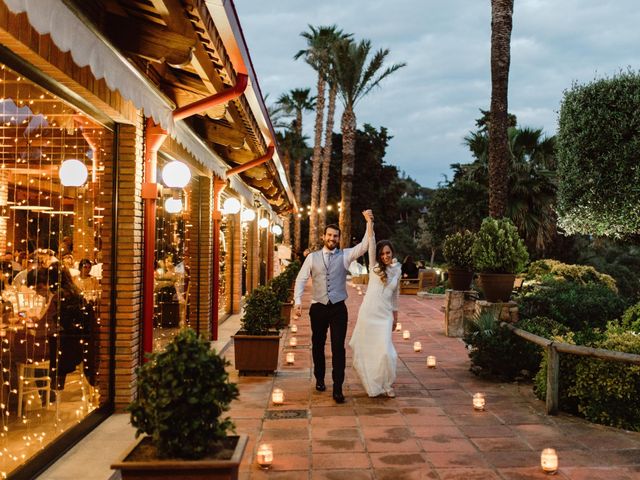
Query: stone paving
x=430, y=431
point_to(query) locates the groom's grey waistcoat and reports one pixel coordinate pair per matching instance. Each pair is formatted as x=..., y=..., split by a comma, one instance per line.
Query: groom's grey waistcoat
x=329, y=277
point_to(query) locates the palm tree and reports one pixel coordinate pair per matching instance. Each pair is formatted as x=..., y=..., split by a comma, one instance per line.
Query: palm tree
x=320, y=41
x=296, y=102
x=531, y=191
x=355, y=78
x=501, y=25
x=326, y=153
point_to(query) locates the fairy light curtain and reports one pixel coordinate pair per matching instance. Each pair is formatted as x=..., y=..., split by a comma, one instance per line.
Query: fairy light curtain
x=50, y=333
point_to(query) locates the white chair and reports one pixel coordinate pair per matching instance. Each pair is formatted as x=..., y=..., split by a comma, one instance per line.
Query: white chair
x=33, y=378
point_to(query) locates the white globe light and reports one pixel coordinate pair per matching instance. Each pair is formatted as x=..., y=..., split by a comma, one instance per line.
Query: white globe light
x=276, y=230
x=248, y=215
x=176, y=174
x=263, y=223
x=173, y=205
x=73, y=173
x=231, y=206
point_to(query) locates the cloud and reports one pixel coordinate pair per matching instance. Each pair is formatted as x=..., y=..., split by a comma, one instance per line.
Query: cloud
x=430, y=105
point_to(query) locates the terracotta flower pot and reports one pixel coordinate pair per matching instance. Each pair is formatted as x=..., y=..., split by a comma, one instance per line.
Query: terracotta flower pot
x=460, y=279
x=138, y=462
x=497, y=287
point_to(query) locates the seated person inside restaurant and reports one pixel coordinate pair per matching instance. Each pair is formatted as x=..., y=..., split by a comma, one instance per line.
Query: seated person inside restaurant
x=68, y=318
x=409, y=268
x=88, y=284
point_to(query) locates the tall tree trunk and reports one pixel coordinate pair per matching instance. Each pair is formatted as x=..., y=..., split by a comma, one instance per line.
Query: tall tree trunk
x=314, y=238
x=326, y=158
x=499, y=156
x=286, y=230
x=348, y=127
x=297, y=187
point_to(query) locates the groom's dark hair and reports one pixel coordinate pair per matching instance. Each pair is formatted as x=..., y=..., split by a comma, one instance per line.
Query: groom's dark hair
x=332, y=226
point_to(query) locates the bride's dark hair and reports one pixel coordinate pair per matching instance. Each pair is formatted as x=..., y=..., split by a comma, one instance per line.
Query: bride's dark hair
x=381, y=269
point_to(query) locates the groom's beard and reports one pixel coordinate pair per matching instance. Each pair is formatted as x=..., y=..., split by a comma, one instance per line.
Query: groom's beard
x=330, y=245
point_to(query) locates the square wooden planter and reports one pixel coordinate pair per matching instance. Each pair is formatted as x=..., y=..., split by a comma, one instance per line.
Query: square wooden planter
x=256, y=354
x=166, y=469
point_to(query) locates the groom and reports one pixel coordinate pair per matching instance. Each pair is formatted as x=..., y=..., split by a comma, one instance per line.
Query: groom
x=328, y=270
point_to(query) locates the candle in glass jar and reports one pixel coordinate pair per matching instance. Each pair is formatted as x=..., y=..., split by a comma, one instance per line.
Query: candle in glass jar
x=277, y=396
x=406, y=334
x=417, y=346
x=398, y=327
x=291, y=358
x=549, y=461
x=264, y=457
x=294, y=328
x=478, y=401
x=293, y=341
x=431, y=361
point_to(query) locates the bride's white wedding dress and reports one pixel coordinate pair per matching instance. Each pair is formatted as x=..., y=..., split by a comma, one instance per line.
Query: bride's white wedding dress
x=374, y=356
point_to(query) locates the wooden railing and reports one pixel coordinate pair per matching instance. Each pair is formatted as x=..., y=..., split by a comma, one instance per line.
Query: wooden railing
x=553, y=350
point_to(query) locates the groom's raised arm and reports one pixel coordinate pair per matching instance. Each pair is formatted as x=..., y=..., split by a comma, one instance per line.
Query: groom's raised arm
x=351, y=254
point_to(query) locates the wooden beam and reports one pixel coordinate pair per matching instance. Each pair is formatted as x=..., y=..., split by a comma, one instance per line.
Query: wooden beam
x=150, y=41
x=217, y=133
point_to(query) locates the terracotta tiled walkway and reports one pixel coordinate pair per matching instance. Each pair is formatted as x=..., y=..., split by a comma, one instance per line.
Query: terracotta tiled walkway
x=429, y=431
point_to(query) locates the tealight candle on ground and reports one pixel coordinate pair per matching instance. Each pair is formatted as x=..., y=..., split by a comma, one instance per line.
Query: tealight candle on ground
x=478, y=401
x=549, y=461
x=417, y=346
x=277, y=396
x=291, y=358
x=264, y=457
x=294, y=328
x=398, y=327
x=431, y=361
x=406, y=334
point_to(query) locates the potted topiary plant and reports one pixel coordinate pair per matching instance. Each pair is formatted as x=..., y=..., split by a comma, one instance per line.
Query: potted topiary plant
x=257, y=343
x=280, y=286
x=457, y=250
x=498, y=254
x=182, y=392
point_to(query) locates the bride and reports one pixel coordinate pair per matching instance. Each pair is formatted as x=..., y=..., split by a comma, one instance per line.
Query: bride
x=374, y=356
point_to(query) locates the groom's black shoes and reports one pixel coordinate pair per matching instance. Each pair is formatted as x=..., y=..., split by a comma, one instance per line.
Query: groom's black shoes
x=320, y=386
x=338, y=396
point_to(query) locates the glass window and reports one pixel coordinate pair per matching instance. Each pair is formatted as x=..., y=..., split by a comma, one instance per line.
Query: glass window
x=53, y=357
x=172, y=263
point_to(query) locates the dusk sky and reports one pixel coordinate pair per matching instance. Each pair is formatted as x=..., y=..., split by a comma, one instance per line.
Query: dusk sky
x=432, y=103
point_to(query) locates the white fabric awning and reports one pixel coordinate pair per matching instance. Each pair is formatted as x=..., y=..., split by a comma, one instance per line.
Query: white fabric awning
x=89, y=48
x=239, y=186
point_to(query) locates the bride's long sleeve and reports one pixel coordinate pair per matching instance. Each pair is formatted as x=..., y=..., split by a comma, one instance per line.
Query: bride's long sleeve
x=372, y=247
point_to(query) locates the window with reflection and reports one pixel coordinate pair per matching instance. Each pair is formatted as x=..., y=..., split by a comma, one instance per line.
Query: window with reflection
x=52, y=191
x=224, y=267
x=172, y=262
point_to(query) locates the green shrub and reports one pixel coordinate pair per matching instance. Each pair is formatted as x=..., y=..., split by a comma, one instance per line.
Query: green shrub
x=597, y=143
x=495, y=350
x=457, y=250
x=498, y=248
x=631, y=318
x=530, y=354
x=280, y=286
x=261, y=312
x=607, y=392
x=574, y=305
x=542, y=270
x=183, y=391
x=568, y=364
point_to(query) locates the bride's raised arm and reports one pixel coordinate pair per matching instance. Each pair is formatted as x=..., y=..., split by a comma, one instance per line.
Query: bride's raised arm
x=372, y=246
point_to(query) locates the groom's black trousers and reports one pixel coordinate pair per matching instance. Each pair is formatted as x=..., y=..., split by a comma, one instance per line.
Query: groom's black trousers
x=333, y=317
